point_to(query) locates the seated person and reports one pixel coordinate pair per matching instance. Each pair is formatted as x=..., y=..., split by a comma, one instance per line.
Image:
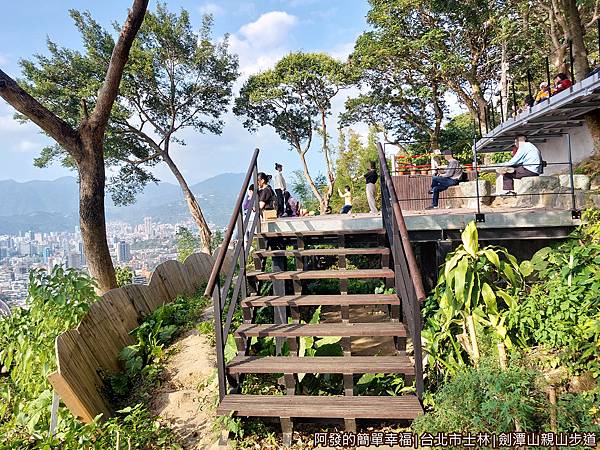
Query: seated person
x=450, y=177
x=527, y=162
x=561, y=82
x=347, y=196
x=528, y=103
x=543, y=94
x=292, y=205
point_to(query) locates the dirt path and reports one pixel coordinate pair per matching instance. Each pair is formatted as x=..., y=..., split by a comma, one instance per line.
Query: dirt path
x=186, y=398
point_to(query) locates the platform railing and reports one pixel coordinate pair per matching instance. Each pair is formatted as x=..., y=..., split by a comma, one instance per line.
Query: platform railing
x=408, y=282
x=219, y=284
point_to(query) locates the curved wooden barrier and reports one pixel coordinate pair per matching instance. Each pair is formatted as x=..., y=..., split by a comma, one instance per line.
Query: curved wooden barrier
x=87, y=353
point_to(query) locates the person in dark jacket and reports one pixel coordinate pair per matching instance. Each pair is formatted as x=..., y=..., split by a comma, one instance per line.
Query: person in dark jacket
x=450, y=177
x=266, y=197
x=370, y=179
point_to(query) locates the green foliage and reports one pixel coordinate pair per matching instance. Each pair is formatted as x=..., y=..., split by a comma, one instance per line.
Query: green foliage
x=562, y=309
x=56, y=302
x=304, y=193
x=124, y=275
x=352, y=163
x=216, y=240
x=488, y=399
x=474, y=284
x=382, y=384
x=143, y=360
x=176, y=77
x=187, y=243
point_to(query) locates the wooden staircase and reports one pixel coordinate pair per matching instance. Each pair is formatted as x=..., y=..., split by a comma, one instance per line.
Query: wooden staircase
x=287, y=299
x=298, y=260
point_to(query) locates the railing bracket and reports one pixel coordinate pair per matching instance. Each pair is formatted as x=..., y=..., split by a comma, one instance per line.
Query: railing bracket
x=576, y=214
x=480, y=218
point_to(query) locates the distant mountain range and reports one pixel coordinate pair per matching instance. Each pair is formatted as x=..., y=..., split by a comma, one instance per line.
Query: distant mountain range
x=44, y=206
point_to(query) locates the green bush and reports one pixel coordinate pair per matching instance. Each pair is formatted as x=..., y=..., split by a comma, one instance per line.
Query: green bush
x=56, y=302
x=488, y=399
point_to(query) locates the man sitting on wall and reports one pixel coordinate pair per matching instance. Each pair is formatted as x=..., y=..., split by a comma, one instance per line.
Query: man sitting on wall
x=450, y=177
x=527, y=162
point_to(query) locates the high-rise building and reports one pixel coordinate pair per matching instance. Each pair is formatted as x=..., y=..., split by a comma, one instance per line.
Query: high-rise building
x=148, y=230
x=47, y=254
x=123, y=252
x=74, y=261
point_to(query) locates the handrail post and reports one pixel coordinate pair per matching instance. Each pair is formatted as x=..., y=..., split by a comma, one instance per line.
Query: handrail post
x=476, y=177
x=571, y=177
x=514, y=94
x=257, y=208
x=529, y=83
x=219, y=345
x=571, y=60
x=548, y=76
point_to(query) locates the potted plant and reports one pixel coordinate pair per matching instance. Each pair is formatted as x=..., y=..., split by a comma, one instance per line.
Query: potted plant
x=423, y=163
x=413, y=169
x=469, y=167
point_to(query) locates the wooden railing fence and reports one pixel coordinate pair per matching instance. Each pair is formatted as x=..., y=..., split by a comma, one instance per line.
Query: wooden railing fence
x=91, y=351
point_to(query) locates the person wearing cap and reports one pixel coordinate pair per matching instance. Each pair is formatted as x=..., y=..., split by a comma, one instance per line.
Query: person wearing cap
x=280, y=188
x=544, y=93
x=450, y=177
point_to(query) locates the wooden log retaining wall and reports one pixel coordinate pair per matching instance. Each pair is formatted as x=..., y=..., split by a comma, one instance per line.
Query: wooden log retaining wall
x=87, y=353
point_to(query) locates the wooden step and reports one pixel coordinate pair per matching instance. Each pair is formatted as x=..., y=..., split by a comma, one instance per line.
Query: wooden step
x=342, y=274
x=247, y=330
x=319, y=233
x=324, y=407
x=321, y=364
x=316, y=300
x=324, y=252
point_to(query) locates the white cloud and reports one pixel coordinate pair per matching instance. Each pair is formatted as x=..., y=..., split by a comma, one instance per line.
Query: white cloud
x=260, y=44
x=211, y=8
x=270, y=29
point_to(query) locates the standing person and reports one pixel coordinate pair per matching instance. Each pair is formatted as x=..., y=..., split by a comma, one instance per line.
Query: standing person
x=280, y=188
x=248, y=200
x=450, y=177
x=371, y=178
x=266, y=197
x=347, y=196
x=527, y=162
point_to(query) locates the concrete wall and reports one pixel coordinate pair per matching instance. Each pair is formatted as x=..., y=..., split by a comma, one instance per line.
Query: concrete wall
x=557, y=149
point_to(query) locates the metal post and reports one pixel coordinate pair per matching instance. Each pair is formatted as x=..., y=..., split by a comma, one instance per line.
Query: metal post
x=478, y=216
x=573, y=200
x=479, y=123
x=257, y=208
x=598, y=27
x=220, y=348
x=54, y=413
x=514, y=94
x=571, y=60
x=487, y=118
x=492, y=116
x=529, y=83
x=501, y=110
x=548, y=76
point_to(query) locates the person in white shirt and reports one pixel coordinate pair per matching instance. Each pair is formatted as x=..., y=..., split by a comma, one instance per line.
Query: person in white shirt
x=280, y=188
x=526, y=162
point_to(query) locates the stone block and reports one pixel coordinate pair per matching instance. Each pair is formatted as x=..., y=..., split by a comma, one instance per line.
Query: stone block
x=579, y=181
x=595, y=184
x=534, y=185
x=469, y=189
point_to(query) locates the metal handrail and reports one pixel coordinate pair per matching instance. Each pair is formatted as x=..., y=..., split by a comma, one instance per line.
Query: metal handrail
x=409, y=286
x=229, y=233
x=415, y=273
x=214, y=288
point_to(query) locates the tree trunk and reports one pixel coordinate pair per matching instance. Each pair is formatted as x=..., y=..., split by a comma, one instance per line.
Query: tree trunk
x=92, y=220
x=193, y=206
x=576, y=30
x=330, y=174
x=311, y=183
x=592, y=120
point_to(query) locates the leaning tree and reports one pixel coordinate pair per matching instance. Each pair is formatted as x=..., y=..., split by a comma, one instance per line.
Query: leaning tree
x=176, y=78
x=83, y=141
x=294, y=98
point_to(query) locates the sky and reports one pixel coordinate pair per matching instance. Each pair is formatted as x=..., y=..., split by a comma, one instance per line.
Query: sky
x=261, y=32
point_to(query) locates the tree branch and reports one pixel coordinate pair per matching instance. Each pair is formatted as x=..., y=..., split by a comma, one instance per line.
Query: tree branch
x=109, y=90
x=56, y=128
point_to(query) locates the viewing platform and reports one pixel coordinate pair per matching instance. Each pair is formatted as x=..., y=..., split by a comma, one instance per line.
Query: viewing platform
x=507, y=223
